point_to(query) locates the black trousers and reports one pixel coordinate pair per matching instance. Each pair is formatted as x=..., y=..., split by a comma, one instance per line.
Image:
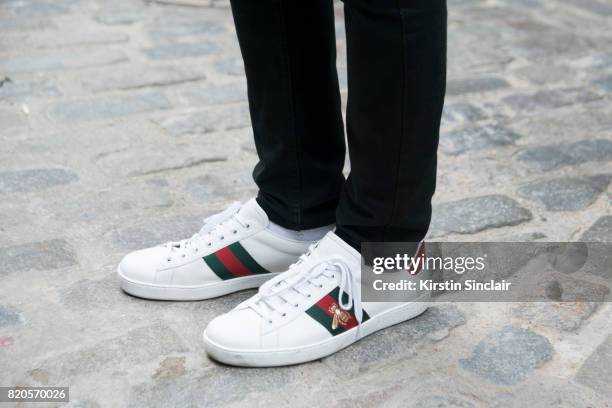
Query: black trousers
x=396, y=59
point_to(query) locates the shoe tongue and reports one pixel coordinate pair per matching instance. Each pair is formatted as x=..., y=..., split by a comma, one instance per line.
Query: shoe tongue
x=252, y=212
x=332, y=246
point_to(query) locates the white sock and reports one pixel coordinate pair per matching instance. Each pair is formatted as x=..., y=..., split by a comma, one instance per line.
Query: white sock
x=313, y=234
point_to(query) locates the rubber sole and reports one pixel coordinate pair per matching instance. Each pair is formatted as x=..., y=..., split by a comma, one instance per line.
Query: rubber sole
x=186, y=293
x=303, y=354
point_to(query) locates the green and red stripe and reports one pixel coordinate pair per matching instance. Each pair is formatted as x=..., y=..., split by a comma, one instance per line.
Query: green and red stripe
x=322, y=313
x=233, y=261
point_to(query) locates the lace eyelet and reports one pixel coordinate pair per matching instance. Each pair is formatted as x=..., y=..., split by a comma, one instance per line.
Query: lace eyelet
x=209, y=244
x=296, y=305
x=270, y=321
x=284, y=314
x=184, y=255
x=320, y=286
x=333, y=276
x=235, y=231
x=309, y=295
x=248, y=225
x=221, y=238
x=169, y=259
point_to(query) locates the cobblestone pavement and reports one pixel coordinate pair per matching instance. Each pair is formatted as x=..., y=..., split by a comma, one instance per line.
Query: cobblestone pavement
x=123, y=123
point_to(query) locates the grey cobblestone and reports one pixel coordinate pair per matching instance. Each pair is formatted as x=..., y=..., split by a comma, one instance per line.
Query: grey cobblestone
x=508, y=356
x=83, y=404
x=109, y=107
x=137, y=346
x=478, y=138
x=566, y=154
x=593, y=6
x=20, y=89
x=209, y=120
x=37, y=9
x=183, y=50
x=567, y=194
x=544, y=41
x=53, y=40
x=471, y=215
x=93, y=296
x=11, y=119
x=602, y=60
x=379, y=397
x=471, y=85
x=136, y=77
x=217, y=94
x=213, y=387
x=23, y=181
x=207, y=187
x=117, y=136
x=457, y=113
x=601, y=231
x=595, y=372
x=61, y=61
x=151, y=234
x=10, y=24
x=179, y=28
x=40, y=256
x=572, y=303
x=9, y=316
x=230, y=66
x=117, y=17
x=442, y=401
x=605, y=84
x=539, y=74
x=132, y=162
x=98, y=205
x=550, y=99
x=561, y=316
x=597, y=260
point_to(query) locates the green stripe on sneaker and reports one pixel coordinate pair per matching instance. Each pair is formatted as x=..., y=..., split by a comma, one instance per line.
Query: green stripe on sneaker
x=217, y=267
x=320, y=312
x=246, y=259
x=324, y=319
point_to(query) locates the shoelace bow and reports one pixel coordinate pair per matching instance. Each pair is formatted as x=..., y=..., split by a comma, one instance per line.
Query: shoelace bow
x=278, y=292
x=210, y=227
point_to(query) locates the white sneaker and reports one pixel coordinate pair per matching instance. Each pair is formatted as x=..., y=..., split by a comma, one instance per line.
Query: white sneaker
x=298, y=316
x=233, y=251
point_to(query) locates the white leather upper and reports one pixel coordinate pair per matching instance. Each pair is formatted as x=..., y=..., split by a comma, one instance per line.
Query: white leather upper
x=182, y=265
x=244, y=329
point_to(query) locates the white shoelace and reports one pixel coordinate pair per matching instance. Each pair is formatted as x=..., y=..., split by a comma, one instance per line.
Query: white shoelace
x=213, y=228
x=281, y=291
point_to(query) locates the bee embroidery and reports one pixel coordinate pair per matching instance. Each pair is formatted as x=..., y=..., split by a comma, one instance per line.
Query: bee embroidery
x=341, y=317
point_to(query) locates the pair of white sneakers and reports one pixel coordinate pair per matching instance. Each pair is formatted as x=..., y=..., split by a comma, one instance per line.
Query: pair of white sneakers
x=298, y=314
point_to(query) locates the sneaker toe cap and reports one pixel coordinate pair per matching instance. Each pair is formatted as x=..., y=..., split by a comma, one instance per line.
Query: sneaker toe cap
x=142, y=266
x=238, y=329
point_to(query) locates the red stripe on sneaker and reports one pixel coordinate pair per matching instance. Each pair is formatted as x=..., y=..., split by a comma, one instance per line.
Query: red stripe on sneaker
x=233, y=264
x=328, y=304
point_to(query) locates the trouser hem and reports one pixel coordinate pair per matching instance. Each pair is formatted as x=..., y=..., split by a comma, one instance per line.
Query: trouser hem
x=285, y=217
